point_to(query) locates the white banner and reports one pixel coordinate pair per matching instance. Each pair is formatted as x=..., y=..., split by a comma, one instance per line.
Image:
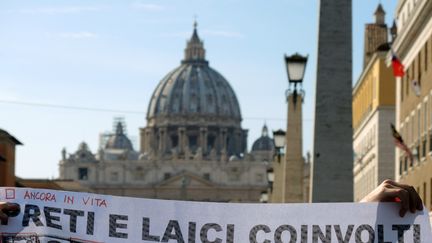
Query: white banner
x=59, y=216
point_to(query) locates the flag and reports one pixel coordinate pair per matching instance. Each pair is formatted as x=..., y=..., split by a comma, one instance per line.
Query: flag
x=416, y=87
x=399, y=142
x=398, y=67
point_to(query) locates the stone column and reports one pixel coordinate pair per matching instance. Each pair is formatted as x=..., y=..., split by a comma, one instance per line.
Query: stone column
x=332, y=174
x=238, y=141
x=143, y=138
x=181, y=139
x=222, y=137
x=147, y=139
x=162, y=140
x=203, y=139
x=292, y=162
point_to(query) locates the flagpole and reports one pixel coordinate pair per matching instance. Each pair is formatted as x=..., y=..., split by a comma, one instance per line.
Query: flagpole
x=397, y=123
x=398, y=72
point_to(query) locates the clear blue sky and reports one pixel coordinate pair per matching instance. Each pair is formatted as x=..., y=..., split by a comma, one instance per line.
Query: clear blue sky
x=111, y=54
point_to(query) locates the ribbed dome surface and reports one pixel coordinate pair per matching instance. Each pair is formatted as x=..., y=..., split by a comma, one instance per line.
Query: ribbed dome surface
x=264, y=143
x=119, y=140
x=194, y=89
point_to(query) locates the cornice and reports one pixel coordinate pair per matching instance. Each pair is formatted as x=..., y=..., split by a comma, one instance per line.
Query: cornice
x=412, y=30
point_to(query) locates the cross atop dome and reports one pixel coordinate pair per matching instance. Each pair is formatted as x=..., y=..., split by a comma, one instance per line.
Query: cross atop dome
x=195, y=51
x=264, y=132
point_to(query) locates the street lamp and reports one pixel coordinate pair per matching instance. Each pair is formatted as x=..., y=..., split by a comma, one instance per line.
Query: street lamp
x=296, y=66
x=279, y=141
x=270, y=176
x=292, y=165
x=265, y=195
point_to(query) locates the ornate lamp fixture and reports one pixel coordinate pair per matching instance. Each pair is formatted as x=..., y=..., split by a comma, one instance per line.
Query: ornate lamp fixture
x=279, y=141
x=296, y=66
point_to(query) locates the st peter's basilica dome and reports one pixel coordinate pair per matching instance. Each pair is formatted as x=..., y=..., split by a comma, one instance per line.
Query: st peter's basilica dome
x=194, y=111
x=194, y=89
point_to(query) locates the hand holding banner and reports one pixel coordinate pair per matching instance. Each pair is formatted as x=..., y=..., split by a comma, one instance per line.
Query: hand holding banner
x=59, y=216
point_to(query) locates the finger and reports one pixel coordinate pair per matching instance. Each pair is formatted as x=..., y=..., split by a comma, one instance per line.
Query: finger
x=3, y=205
x=3, y=216
x=403, y=195
x=12, y=206
x=388, y=193
x=419, y=205
x=415, y=200
x=412, y=199
x=12, y=210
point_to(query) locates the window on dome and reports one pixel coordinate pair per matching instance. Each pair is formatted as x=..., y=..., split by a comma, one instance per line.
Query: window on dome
x=225, y=108
x=193, y=104
x=207, y=82
x=162, y=102
x=176, y=103
x=193, y=82
x=210, y=106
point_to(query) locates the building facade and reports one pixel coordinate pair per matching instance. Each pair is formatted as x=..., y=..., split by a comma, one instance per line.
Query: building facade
x=373, y=112
x=7, y=158
x=413, y=46
x=192, y=148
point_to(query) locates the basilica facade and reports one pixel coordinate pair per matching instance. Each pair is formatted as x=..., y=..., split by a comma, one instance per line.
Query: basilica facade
x=192, y=148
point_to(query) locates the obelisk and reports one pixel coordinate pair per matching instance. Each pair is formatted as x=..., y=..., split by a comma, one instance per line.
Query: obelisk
x=332, y=169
